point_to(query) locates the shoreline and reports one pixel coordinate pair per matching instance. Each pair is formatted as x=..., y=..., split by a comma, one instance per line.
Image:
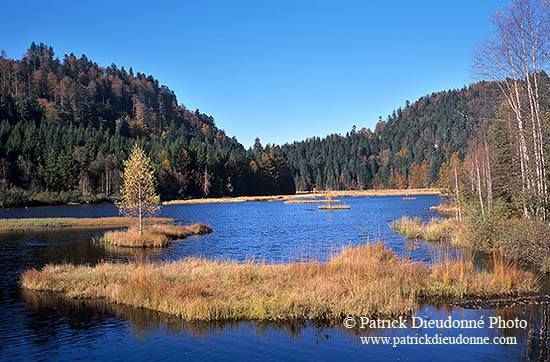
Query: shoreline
x=306, y=195
x=153, y=236
x=368, y=280
x=231, y=199
x=25, y=224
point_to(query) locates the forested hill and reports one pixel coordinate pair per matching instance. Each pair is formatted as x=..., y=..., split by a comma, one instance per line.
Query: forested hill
x=67, y=125
x=406, y=150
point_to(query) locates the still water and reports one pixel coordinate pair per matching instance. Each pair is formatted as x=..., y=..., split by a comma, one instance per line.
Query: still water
x=45, y=327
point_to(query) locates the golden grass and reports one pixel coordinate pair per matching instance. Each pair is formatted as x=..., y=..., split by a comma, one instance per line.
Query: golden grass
x=152, y=236
x=368, y=280
x=308, y=195
x=334, y=207
x=309, y=201
x=62, y=222
x=435, y=230
x=446, y=210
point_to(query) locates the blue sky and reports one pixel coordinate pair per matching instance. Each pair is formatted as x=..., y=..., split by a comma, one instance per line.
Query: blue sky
x=278, y=70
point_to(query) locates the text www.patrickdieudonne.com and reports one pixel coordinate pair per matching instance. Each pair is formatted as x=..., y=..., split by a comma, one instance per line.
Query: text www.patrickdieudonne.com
x=436, y=339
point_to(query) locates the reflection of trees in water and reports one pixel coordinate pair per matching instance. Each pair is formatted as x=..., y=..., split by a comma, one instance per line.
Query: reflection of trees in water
x=133, y=254
x=537, y=345
x=535, y=337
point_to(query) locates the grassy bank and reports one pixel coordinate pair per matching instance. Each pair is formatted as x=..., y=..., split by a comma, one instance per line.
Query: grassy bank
x=308, y=195
x=17, y=197
x=63, y=222
x=511, y=235
x=333, y=207
x=446, y=210
x=435, y=230
x=309, y=201
x=152, y=236
x=367, y=280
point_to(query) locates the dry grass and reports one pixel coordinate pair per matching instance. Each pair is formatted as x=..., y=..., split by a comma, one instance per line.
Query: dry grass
x=446, y=210
x=334, y=207
x=436, y=230
x=366, y=280
x=309, y=201
x=62, y=222
x=152, y=236
x=308, y=195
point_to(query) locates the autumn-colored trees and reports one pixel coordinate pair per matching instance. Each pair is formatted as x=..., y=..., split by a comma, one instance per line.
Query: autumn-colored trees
x=138, y=193
x=406, y=151
x=67, y=125
x=515, y=58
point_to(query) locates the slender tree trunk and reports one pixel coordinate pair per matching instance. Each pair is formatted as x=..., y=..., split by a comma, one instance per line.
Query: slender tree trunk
x=140, y=211
x=479, y=187
x=457, y=201
x=488, y=178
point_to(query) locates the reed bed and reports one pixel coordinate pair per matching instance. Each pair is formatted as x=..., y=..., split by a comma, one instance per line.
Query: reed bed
x=368, y=280
x=436, y=230
x=334, y=207
x=62, y=222
x=153, y=236
x=308, y=195
x=309, y=201
x=446, y=210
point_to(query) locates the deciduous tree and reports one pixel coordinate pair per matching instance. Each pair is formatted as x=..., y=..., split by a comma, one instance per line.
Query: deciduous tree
x=139, y=197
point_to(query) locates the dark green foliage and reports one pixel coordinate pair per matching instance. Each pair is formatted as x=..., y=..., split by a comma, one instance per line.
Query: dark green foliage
x=422, y=136
x=68, y=125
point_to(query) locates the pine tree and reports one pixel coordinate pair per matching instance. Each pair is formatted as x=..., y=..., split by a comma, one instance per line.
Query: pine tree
x=138, y=192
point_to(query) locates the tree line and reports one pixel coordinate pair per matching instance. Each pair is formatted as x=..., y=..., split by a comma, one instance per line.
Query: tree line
x=505, y=163
x=68, y=125
x=404, y=151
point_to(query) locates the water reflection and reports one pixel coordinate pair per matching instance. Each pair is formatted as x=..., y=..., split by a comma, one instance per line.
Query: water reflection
x=45, y=327
x=85, y=315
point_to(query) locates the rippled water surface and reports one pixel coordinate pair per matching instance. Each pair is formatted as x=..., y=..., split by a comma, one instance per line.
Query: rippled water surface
x=45, y=327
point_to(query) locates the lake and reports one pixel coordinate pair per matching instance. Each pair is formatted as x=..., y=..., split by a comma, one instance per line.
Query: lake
x=46, y=327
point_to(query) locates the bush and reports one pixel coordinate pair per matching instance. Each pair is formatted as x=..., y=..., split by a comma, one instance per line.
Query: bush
x=13, y=197
x=436, y=230
x=16, y=197
x=481, y=232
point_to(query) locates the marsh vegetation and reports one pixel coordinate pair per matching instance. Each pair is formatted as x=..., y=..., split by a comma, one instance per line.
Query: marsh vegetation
x=152, y=236
x=366, y=280
x=64, y=222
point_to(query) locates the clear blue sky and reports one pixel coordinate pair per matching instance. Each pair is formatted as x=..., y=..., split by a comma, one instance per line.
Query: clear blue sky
x=279, y=70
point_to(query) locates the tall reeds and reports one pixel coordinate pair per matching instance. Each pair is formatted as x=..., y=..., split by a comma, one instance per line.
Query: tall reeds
x=152, y=236
x=367, y=280
x=436, y=230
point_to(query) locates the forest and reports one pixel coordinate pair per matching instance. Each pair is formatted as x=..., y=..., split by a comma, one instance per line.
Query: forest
x=67, y=125
x=404, y=151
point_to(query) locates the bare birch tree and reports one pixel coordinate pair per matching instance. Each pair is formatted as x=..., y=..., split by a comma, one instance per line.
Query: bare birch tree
x=514, y=57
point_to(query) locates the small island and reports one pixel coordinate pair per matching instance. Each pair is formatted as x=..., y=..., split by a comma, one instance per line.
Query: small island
x=26, y=224
x=368, y=280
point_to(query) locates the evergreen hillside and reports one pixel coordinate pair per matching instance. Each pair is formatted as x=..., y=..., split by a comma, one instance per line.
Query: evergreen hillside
x=406, y=150
x=67, y=125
